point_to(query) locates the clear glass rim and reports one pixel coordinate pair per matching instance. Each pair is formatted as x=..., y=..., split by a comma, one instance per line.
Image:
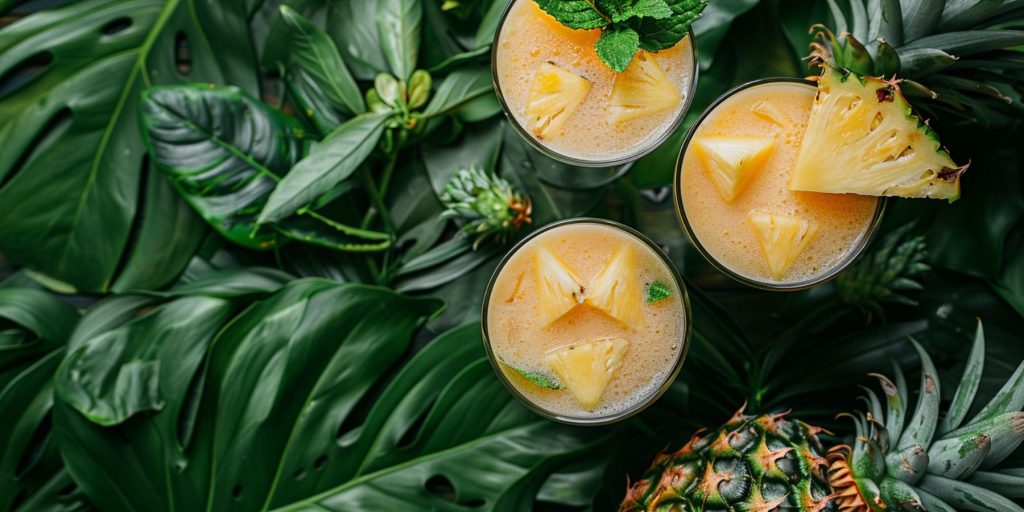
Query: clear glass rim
x=852, y=256
x=566, y=159
x=639, y=406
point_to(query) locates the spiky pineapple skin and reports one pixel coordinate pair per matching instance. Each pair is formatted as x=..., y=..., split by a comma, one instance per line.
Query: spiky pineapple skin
x=750, y=464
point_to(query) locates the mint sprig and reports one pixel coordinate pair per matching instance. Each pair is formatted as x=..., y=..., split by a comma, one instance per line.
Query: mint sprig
x=627, y=25
x=536, y=378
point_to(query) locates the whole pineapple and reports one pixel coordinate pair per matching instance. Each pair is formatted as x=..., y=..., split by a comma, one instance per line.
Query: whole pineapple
x=921, y=462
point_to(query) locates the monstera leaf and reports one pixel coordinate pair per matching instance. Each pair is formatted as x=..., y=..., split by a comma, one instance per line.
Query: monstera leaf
x=252, y=402
x=226, y=152
x=77, y=201
x=34, y=327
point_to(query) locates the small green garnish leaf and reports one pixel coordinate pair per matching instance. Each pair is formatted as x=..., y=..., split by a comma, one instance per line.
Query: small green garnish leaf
x=658, y=291
x=536, y=378
x=575, y=14
x=627, y=25
x=664, y=33
x=622, y=10
x=616, y=47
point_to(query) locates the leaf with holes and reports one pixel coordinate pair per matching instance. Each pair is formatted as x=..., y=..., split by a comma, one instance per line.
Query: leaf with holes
x=225, y=153
x=69, y=80
x=264, y=402
x=34, y=327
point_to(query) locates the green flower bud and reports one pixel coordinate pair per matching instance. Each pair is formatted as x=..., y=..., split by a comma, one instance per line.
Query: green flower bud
x=419, y=88
x=389, y=90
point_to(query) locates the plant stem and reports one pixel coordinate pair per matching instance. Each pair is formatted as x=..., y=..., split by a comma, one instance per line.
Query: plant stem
x=378, y=202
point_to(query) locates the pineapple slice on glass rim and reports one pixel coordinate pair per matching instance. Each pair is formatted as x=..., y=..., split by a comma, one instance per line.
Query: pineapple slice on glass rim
x=571, y=375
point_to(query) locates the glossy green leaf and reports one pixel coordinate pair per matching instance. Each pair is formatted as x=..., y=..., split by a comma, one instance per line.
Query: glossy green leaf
x=328, y=163
x=398, y=24
x=311, y=50
x=964, y=496
x=226, y=153
x=351, y=26
x=70, y=127
x=34, y=326
x=457, y=89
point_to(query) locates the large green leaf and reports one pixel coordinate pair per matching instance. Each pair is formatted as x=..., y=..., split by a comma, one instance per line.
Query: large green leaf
x=225, y=153
x=329, y=163
x=34, y=326
x=256, y=403
x=74, y=196
x=312, y=51
x=398, y=24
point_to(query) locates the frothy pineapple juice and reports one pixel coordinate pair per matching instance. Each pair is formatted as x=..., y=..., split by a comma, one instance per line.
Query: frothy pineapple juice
x=586, y=321
x=561, y=93
x=735, y=194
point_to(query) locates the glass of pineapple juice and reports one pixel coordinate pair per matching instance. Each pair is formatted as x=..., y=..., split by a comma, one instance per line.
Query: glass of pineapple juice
x=586, y=321
x=570, y=106
x=732, y=192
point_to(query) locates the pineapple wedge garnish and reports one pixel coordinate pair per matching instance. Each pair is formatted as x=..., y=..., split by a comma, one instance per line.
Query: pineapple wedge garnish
x=554, y=96
x=863, y=138
x=558, y=288
x=586, y=368
x=618, y=289
x=782, y=239
x=731, y=161
x=641, y=90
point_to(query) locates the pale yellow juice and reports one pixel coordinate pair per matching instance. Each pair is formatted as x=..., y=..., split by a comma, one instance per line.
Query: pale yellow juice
x=523, y=335
x=529, y=37
x=779, y=111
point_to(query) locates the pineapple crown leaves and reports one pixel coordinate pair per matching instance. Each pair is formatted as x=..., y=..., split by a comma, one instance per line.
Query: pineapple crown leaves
x=627, y=25
x=927, y=460
x=884, y=274
x=486, y=206
x=956, y=55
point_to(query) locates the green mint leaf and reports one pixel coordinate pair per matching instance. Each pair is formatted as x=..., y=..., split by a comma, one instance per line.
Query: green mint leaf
x=656, y=9
x=575, y=14
x=622, y=10
x=536, y=378
x=658, y=291
x=616, y=46
x=664, y=33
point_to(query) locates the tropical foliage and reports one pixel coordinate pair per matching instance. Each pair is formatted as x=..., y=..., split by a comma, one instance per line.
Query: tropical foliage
x=243, y=247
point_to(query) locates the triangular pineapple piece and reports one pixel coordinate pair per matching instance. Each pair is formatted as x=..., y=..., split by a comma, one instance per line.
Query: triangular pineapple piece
x=558, y=288
x=863, y=138
x=554, y=96
x=641, y=90
x=731, y=161
x=764, y=109
x=618, y=289
x=586, y=368
x=782, y=239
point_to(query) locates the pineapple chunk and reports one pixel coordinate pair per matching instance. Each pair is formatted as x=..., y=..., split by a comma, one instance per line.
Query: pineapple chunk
x=641, y=90
x=618, y=289
x=764, y=109
x=863, y=138
x=554, y=96
x=731, y=161
x=586, y=368
x=558, y=288
x=782, y=239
